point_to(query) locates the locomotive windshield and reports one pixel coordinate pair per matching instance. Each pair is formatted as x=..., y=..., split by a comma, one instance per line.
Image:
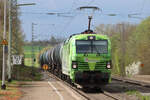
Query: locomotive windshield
x=94, y=46
x=83, y=46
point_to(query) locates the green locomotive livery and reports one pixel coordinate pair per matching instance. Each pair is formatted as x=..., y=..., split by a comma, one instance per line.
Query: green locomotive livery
x=84, y=59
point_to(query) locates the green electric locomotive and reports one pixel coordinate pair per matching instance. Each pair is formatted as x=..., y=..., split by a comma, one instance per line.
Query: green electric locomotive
x=86, y=59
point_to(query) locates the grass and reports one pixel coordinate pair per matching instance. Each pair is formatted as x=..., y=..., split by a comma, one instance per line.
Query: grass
x=21, y=73
x=28, y=62
x=28, y=55
x=138, y=94
x=25, y=73
x=12, y=91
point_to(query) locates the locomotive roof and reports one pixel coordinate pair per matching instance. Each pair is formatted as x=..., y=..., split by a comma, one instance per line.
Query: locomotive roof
x=78, y=36
x=87, y=33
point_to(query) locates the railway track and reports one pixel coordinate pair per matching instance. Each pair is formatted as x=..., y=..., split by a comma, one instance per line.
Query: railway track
x=134, y=82
x=87, y=96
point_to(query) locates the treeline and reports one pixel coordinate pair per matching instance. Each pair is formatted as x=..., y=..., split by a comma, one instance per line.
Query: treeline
x=130, y=43
x=51, y=42
x=17, y=36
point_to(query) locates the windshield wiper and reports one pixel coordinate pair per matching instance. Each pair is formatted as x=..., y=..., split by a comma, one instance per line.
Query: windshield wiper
x=98, y=53
x=86, y=53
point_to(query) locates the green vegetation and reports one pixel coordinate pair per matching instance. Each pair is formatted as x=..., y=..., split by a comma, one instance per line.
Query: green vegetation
x=21, y=73
x=140, y=40
x=116, y=32
x=12, y=91
x=25, y=73
x=138, y=94
x=17, y=37
x=28, y=55
x=130, y=43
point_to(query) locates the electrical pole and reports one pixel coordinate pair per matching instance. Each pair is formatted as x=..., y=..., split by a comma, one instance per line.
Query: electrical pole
x=9, y=42
x=123, y=48
x=16, y=23
x=3, y=86
x=33, y=47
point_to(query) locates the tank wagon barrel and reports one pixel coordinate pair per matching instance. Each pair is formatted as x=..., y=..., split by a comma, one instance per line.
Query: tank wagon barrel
x=52, y=56
x=57, y=54
x=44, y=57
x=41, y=60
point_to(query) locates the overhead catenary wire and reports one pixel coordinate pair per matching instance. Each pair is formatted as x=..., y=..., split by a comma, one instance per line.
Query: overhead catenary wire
x=142, y=7
x=68, y=23
x=73, y=5
x=48, y=33
x=71, y=20
x=72, y=11
x=92, y=1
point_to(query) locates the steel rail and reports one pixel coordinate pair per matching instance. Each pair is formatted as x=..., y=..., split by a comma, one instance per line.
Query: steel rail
x=67, y=84
x=80, y=92
x=111, y=96
x=135, y=82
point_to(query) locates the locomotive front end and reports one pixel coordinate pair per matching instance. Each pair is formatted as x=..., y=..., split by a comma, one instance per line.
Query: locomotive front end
x=91, y=60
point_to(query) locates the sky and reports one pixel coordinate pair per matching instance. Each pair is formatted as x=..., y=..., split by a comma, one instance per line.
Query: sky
x=75, y=21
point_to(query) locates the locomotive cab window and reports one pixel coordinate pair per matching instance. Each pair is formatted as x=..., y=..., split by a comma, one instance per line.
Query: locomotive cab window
x=100, y=46
x=92, y=46
x=83, y=46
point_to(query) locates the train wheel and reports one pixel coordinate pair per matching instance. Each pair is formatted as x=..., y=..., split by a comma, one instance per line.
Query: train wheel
x=55, y=72
x=69, y=80
x=63, y=76
x=71, y=83
x=50, y=68
x=60, y=74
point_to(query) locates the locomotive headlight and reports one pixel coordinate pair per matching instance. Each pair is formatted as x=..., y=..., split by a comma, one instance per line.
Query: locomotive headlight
x=74, y=65
x=91, y=37
x=108, y=65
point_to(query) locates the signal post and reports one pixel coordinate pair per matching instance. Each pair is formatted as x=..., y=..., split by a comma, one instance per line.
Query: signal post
x=4, y=43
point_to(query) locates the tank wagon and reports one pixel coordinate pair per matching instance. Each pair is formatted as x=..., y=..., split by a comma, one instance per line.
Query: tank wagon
x=83, y=58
